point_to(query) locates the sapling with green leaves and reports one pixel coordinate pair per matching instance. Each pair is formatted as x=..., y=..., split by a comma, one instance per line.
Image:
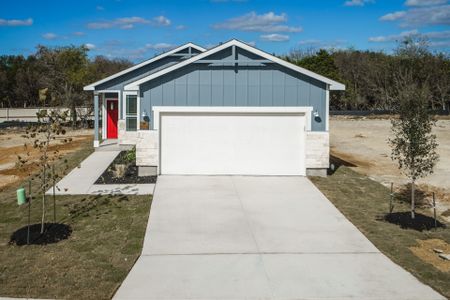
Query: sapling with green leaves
x=413, y=143
x=43, y=137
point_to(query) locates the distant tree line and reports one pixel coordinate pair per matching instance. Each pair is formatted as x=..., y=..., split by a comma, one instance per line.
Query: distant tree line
x=62, y=70
x=374, y=79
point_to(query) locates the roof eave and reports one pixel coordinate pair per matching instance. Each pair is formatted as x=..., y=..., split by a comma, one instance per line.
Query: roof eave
x=91, y=87
x=337, y=87
x=334, y=85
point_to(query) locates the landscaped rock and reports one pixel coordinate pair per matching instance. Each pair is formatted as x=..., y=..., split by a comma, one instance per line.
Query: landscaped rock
x=436, y=250
x=445, y=256
x=119, y=170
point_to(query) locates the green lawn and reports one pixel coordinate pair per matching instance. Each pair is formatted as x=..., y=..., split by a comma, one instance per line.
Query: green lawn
x=364, y=202
x=107, y=236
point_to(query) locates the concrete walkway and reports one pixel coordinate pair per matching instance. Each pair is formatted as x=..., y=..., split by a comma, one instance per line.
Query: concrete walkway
x=224, y=237
x=80, y=181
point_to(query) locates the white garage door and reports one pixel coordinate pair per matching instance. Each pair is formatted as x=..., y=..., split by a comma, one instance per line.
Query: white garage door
x=232, y=143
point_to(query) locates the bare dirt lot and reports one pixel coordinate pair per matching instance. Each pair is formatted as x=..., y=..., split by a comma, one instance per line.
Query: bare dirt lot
x=362, y=142
x=12, y=145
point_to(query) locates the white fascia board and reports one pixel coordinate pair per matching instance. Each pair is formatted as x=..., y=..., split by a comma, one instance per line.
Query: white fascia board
x=334, y=85
x=91, y=87
x=296, y=110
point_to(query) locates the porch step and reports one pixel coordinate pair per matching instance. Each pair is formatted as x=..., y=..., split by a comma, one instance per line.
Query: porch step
x=113, y=146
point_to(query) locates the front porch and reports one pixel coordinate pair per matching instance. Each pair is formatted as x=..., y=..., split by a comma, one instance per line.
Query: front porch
x=107, y=107
x=118, y=118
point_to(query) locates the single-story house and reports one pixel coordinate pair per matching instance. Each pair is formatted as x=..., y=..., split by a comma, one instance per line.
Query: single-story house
x=232, y=109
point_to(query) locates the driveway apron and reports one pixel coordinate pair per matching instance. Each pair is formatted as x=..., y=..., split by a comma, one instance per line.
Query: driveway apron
x=249, y=237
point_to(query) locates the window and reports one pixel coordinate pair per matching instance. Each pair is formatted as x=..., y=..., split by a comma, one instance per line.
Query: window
x=131, y=113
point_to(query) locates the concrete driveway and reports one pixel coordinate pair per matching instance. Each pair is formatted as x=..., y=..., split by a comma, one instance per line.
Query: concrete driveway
x=238, y=237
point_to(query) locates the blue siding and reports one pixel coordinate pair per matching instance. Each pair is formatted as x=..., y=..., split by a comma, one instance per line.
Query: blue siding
x=271, y=85
x=243, y=85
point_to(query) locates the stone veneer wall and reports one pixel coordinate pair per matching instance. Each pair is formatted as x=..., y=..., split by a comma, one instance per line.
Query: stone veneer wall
x=147, y=148
x=317, y=150
x=126, y=137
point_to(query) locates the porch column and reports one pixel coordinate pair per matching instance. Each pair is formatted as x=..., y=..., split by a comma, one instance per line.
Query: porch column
x=96, y=119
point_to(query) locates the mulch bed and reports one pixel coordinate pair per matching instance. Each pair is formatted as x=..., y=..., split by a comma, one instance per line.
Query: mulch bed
x=130, y=175
x=53, y=233
x=419, y=223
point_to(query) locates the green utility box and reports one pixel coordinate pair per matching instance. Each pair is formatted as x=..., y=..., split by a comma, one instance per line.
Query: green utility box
x=21, y=196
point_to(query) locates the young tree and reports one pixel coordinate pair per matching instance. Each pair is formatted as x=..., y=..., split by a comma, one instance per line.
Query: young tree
x=42, y=136
x=413, y=144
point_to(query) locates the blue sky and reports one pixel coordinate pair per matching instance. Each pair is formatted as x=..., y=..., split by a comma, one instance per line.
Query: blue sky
x=136, y=30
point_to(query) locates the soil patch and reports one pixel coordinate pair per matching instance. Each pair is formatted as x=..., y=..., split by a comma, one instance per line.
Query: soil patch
x=12, y=145
x=347, y=159
x=425, y=251
x=423, y=194
x=361, y=143
x=53, y=233
x=420, y=222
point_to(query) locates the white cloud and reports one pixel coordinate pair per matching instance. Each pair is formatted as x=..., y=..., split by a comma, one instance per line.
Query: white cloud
x=118, y=48
x=440, y=44
x=99, y=7
x=78, y=33
x=421, y=16
x=327, y=45
x=13, y=22
x=268, y=22
x=180, y=27
x=424, y=2
x=50, y=36
x=90, y=46
x=311, y=42
x=274, y=37
x=438, y=34
x=436, y=39
x=129, y=22
x=358, y=2
x=159, y=46
x=393, y=37
x=393, y=16
x=161, y=21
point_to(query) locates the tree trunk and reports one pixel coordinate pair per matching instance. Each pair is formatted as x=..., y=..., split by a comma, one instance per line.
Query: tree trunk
x=43, y=204
x=413, y=214
x=73, y=115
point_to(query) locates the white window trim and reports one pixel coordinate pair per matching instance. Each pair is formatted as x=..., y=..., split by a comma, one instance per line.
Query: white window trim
x=103, y=108
x=138, y=108
x=104, y=117
x=119, y=96
x=327, y=109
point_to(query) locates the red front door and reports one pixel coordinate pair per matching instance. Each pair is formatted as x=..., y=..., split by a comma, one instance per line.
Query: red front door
x=112, y=112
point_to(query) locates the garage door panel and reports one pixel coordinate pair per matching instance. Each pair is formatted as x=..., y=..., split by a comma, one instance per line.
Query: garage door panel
x=213, y=144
